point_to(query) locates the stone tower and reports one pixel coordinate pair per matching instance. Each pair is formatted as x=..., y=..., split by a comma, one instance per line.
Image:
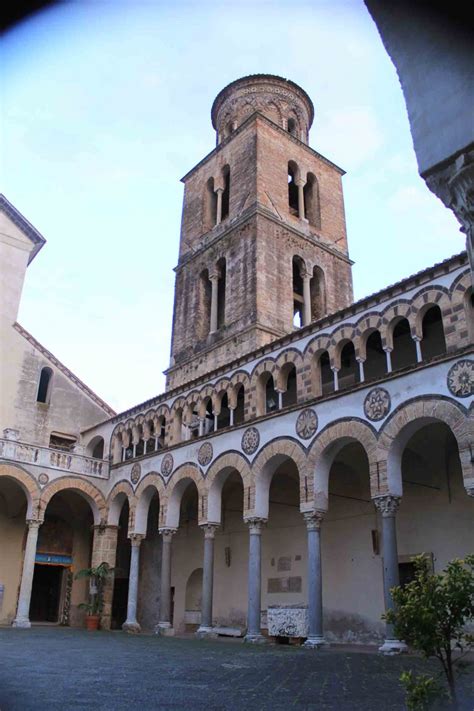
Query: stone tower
x=263, y=246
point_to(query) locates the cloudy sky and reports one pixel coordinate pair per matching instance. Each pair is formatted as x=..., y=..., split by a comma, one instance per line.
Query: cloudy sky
x=106, y=106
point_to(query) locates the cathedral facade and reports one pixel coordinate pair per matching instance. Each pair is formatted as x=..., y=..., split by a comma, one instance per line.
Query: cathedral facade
x=306, y=448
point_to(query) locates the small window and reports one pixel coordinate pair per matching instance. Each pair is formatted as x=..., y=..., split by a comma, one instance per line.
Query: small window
x=292, y=126
x=63, y=442
x=44, y=386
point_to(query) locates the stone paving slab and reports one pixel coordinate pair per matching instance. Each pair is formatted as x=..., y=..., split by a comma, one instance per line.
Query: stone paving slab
x=61, y=668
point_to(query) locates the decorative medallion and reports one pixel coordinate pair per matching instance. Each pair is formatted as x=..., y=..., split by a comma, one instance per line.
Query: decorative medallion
x=377, y=404
x=250, y=440
x=167, y=465
x=43, y=478
x=461, y=378
x=135, y=474
x=306, y=423
x=205, y=454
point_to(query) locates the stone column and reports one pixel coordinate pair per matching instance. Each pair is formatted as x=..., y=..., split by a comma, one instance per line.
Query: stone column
x=300, y=185
x=306, y=298
x=280, y=398
x=254, y=634
x=387, y=506
x=214, y=279
x=336, y=378
x=361, y=369
x=315, y=582
x=205, y=629
x=419, y=356
x=201, y=426
x=131, y=623
x=22, y=618
x=388, y=358
x=231, y=412
x=219, y=192
x=164, y=624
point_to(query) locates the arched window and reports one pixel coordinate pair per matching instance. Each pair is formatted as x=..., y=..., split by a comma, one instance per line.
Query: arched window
x=44, y=386
x=404, y=349
x=203, y=316
x=298, y=297
x=178, y=425
x=326, y=374
x=267, y=396
x=289, y=397
x=210, y=205
x=221, y=291
x=311, y=201
x=349, y=372
x=223, y=419
x=95, y=448
x=239, y=411
x=375, y=365
x=292, y=127
x=433, y=342
x=160, y=433
x=318, y=294
x=209, y=417
x=226, y=193
x=293, y=175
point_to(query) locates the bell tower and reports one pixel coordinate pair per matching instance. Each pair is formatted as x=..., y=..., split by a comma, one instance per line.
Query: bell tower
x=263, y=248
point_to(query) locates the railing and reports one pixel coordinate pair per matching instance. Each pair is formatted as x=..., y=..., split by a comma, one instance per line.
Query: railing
x=53, y=458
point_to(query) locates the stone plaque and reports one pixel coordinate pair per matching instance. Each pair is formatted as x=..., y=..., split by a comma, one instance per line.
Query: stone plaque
x=250, y=440
x=284, y=585
x=461, y=378
x=284, y=564
x=377, y=404
x=205, y=454
x=306, y=423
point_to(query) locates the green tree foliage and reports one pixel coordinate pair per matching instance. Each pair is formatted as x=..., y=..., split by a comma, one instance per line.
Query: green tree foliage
x=431, y=614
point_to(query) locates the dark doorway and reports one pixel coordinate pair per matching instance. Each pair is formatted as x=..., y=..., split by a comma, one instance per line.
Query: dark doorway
x=46, y=593
x=119, y=604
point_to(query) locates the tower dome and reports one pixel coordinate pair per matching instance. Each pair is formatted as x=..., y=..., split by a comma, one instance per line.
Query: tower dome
x=280, y=100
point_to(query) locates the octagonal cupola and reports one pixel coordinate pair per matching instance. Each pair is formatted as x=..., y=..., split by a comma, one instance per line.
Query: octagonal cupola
x=280, y=100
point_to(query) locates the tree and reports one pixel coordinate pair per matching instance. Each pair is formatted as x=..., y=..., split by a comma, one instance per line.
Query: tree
x=431, y=614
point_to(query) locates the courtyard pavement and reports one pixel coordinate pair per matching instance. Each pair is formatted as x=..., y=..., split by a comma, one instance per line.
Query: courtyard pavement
x=54, y=668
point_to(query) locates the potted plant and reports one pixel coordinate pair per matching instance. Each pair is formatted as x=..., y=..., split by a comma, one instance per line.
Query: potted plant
x=97, y=577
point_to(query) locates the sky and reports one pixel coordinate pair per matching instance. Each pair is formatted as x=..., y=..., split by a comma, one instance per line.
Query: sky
x=106, y=105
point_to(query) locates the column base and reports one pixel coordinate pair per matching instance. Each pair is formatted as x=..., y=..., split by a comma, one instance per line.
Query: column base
x=133, y=627
x=206, y=633
x=393, y=646
x=255, y=639
x=164, y=629
x=315, y=643
x=22, y=623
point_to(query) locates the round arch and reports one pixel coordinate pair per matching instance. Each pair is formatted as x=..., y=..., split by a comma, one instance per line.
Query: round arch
x=264, y=466
x=184, y=475
x=28, y=485
x=150, y=485
x=217, y=475
x=122, y=490
x=92, y=495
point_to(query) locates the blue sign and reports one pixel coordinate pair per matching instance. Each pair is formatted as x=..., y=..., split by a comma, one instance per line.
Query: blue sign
x=52, y=559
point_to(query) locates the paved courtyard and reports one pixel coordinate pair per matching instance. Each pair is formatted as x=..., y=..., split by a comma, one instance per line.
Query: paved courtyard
x=59, y=668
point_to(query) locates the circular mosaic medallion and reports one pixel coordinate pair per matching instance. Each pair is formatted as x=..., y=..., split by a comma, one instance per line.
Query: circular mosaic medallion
x=250, y=440
x=43, y=478
x=461, y=378
x=205, y=454
x=306, y=424
x=135, y=474
x=167, y=465
x=377, y=404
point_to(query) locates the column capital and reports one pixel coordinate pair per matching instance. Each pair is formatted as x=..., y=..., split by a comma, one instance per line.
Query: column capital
x=209, y=529
x=387, y=504
x=214, y=276
x=300, y=182
x=359, y=359
x=136, y=538
x=255, y=524
x=167, y=533
x=335, y=369
x=387, y=349
x=314, y=519
x=416, y=338
x=33, y=523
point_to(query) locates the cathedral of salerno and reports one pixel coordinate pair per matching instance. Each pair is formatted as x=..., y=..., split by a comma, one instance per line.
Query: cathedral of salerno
x=306, y=447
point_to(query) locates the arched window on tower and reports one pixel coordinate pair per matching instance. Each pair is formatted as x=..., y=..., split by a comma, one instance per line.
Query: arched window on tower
x=223, y=419
x=433, y=342
x=210, y=206
x=318, y=294
x=203, y=315
x=221, y=292
x=226, y=193
x=44, y=386
x=298, y=296
x=292, y=126
x=293, y=174
x=289, y=397
x=311, y=201
x=239, y=411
